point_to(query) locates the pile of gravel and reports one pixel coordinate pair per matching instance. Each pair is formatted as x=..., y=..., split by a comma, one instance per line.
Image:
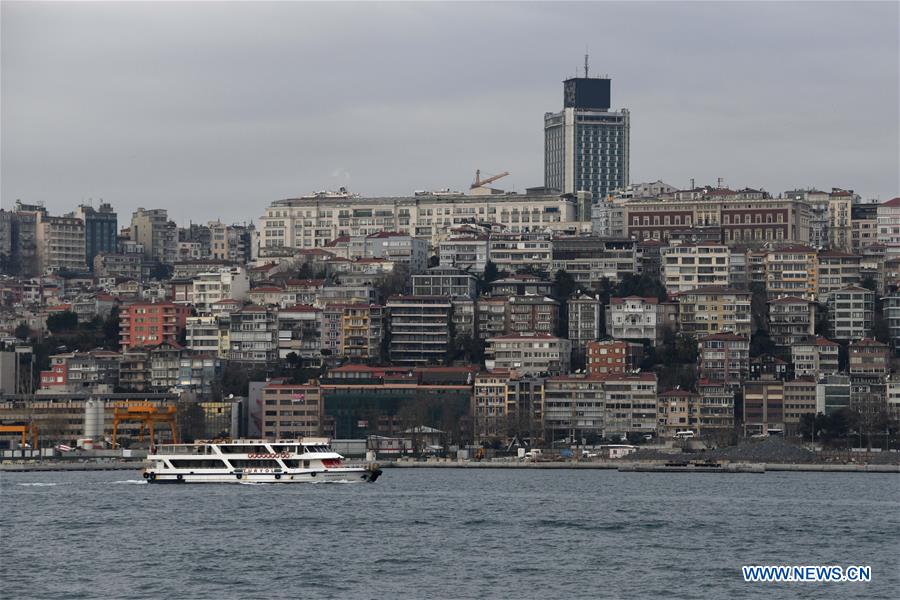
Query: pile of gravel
x=768, y=450
x=881, y=458
x=650, y=454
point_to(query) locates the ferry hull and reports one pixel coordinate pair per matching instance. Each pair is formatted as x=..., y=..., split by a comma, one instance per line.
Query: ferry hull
x=349, y=475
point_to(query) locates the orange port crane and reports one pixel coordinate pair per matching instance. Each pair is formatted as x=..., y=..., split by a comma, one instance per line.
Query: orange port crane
x=24, y=430
x=149, y=416
x=479, y=182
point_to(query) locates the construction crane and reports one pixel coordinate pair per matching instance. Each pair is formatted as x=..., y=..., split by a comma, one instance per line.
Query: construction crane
x=149, y=416
x=479, y=182
x=24, y=430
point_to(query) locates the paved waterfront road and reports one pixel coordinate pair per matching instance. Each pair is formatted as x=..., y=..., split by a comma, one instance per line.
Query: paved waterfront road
x=446, y=534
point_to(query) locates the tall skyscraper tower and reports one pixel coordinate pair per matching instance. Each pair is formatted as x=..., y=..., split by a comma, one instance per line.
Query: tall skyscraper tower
x=586, y=145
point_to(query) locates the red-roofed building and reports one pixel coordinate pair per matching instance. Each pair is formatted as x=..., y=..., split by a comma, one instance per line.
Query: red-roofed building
x=815, y=356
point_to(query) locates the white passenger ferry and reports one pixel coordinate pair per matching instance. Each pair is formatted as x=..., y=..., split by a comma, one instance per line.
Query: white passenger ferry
x=258, y=461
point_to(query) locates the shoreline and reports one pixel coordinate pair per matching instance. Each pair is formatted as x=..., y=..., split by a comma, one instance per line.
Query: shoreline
x=52, y=466
x=614, y=466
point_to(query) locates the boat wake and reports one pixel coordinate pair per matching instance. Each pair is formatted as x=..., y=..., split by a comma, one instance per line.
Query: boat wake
x=128, y=482
x=42, y=484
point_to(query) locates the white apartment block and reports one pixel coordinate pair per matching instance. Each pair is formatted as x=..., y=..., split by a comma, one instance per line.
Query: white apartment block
x=228, y=283
x=529, y=353
x=513, y=252
x=202, y=334
x=467, y=252
x=690, y=266
x=60, y=243
x=314, y=220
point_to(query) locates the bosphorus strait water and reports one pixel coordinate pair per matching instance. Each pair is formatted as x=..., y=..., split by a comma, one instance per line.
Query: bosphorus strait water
x=446, y=533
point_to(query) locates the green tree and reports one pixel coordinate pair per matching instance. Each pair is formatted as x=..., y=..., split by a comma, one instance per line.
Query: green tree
x=161, y=271
x=759, y=306
x=761, y=343
x=62, y=321
x=23, y=331
x=111, y=330
x=394, y=284
x=564, y=285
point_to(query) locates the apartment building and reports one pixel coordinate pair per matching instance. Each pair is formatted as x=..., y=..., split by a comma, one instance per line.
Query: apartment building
x=689, y=266
x=230, y=242
x=466, y=251
x=60, y=243
x=463, y=317
x=82, y=371
x=225, y=283
x=313, y=221
x=864, y=227
x=608, y=358
x=491, y=317
x=253, y=335
x=630, y=404
x=763, y=407
x=891, y=309
x=529, y=353
x=445, y=281
x=519, y=285
x=573, y=408
x=791, y=320
x=363, y=331
x=490, y=408
x=291, y=411
x=706, y=311
x=716, y=413
x=792, y=271
x=300, y=333
x=583, y=321
x=514, y=252
x=745, y=217
x=888, y=220
x=419, y=327
x=724, y=358
x=837, y=270
x=532, y=314
x=815, y=356
x=799, y=400
x=591, y=260
x=678, y=410
x=145, y=324
x=850, y=313
x=157, y=236
x=199, y=372
x=100, y=230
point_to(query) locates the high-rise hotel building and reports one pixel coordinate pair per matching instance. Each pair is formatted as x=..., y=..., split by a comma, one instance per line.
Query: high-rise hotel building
x=586, y=145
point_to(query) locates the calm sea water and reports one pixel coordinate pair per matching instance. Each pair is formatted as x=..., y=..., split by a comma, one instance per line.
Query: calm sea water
x=445, y=534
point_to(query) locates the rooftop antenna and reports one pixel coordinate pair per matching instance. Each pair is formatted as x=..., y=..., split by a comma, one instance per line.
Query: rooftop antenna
x=585, y=63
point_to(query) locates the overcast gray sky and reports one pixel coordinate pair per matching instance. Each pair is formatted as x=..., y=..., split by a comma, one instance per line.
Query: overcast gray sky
x=213, y=110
